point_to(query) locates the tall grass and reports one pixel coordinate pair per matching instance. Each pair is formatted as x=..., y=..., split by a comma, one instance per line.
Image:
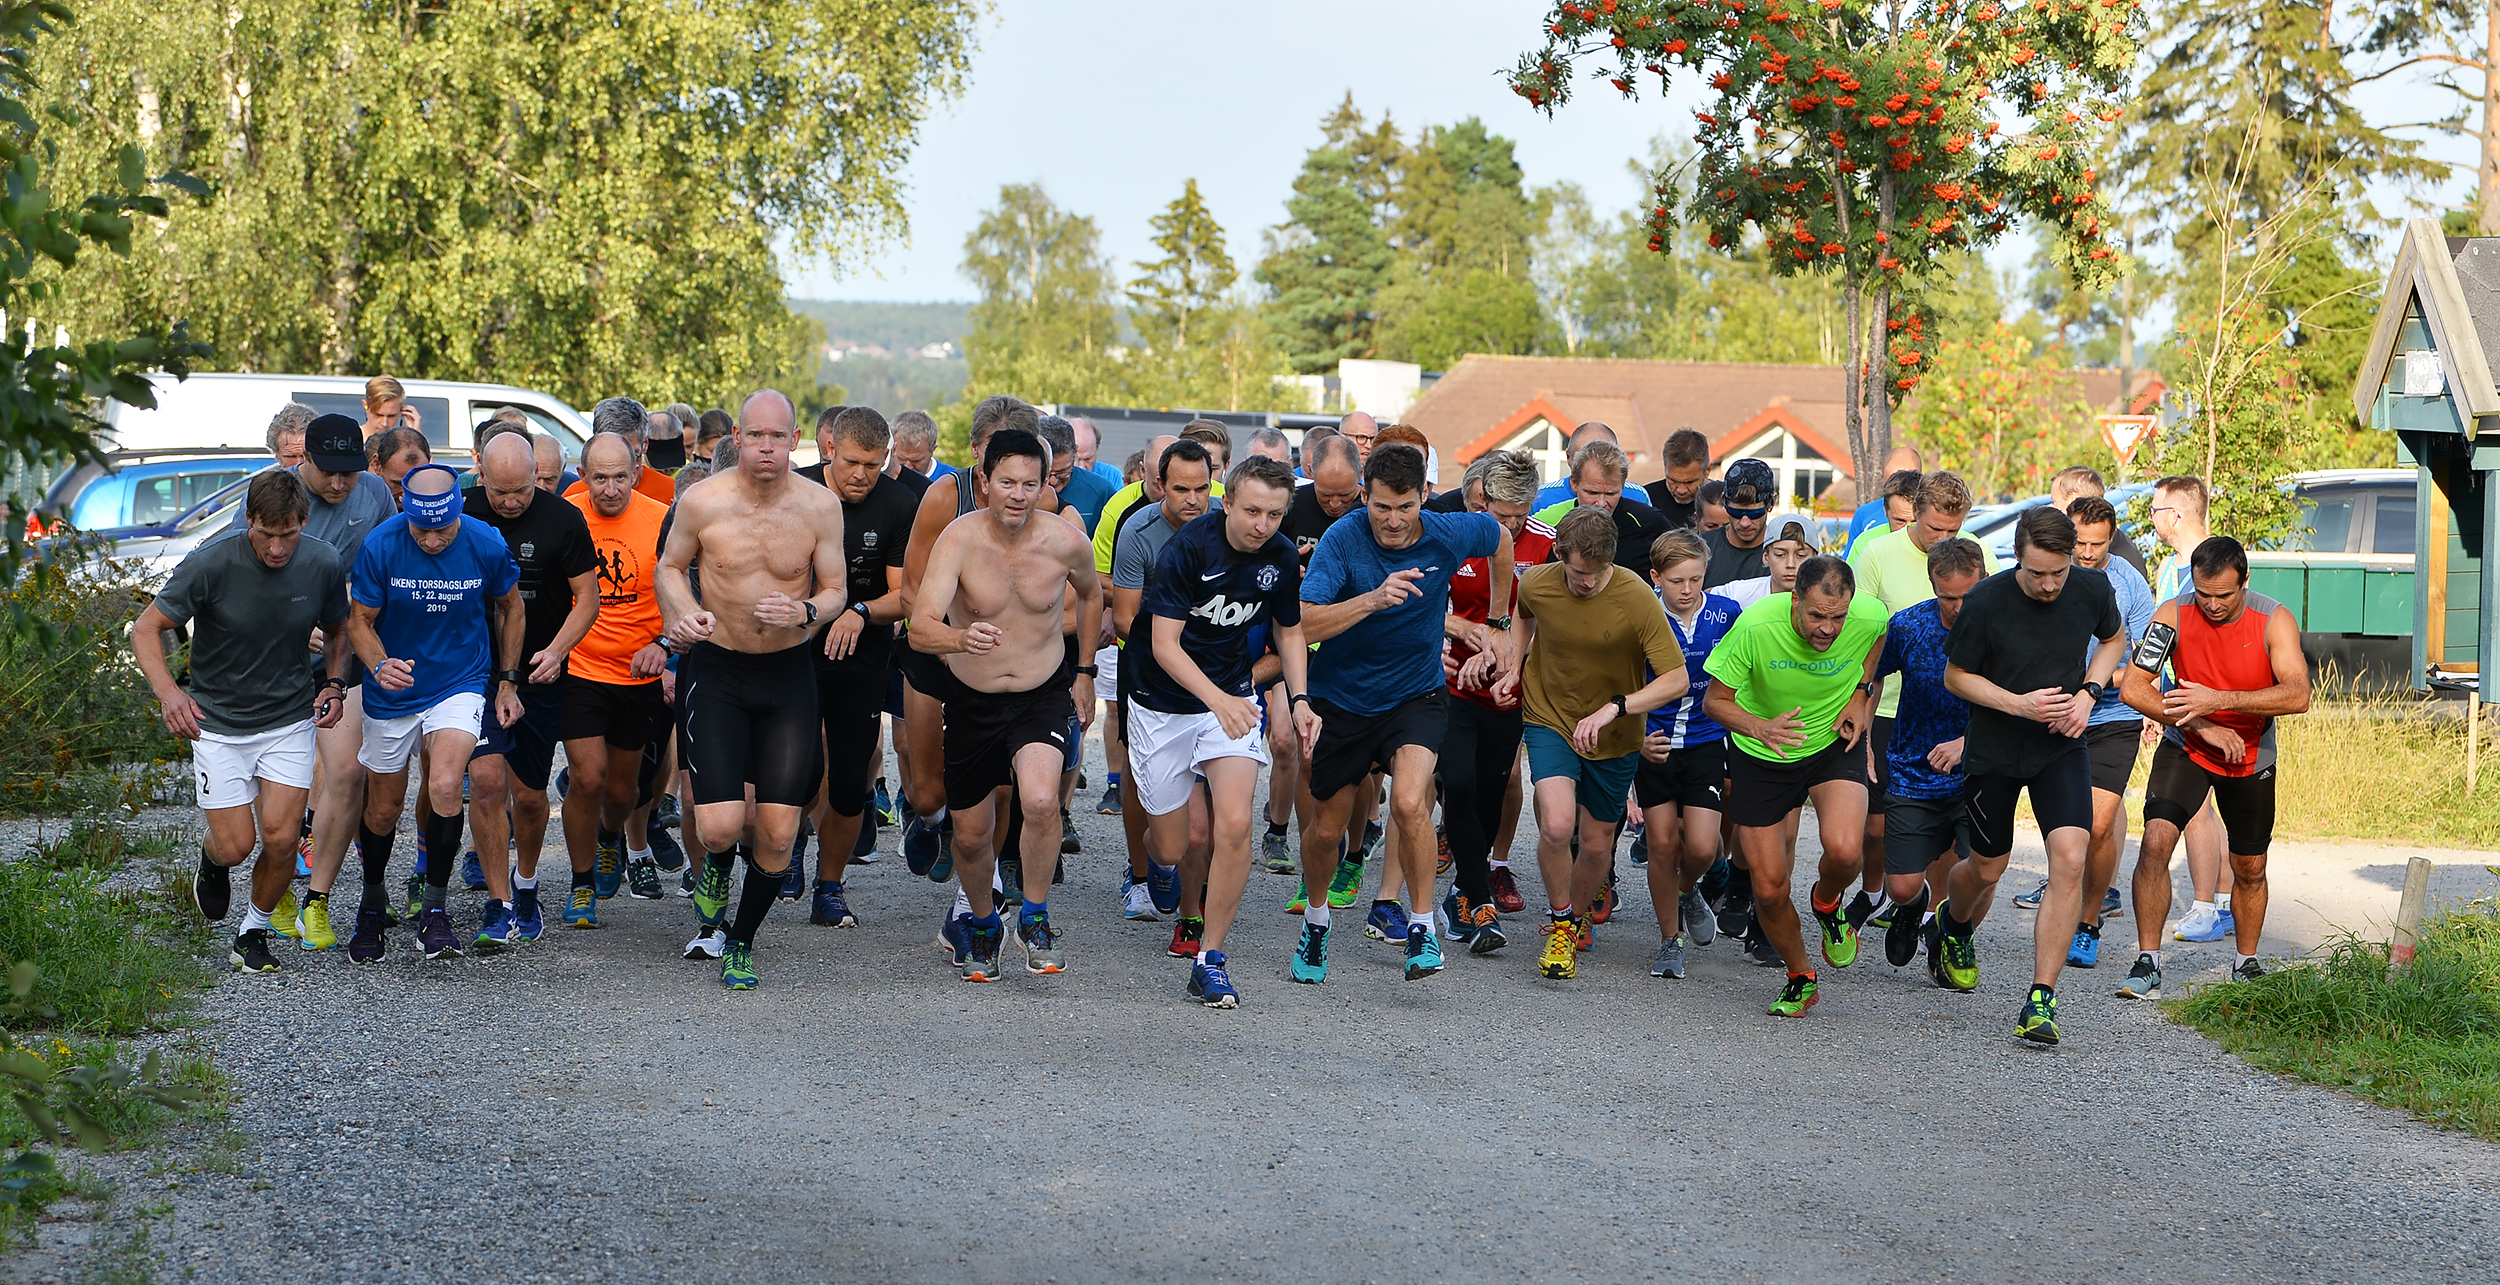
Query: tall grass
x=2389, y=767
x=2426, y=1041
x=113, y=960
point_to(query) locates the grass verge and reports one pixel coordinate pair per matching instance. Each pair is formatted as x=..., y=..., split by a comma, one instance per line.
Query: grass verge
x=2426, y=1041
x=2390, y=768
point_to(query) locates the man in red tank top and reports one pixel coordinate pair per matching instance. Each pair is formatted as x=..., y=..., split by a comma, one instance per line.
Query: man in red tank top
x=2237, y=659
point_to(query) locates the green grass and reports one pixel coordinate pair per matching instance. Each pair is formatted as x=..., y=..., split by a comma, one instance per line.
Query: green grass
x=111, y=962
x=2426, y=1041
x=2387, y=768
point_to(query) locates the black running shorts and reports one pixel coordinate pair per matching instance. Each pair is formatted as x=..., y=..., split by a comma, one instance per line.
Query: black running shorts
x=627, y=716
x=1762, y=792
x=984, y=731
x=1693, y=777
x=2179, y=784
x=1877, y=745
x=529, y=745
x=2113, y=747
x=1917, y=831
x=2061, y=796
x=751, y=719
x=1352, y=746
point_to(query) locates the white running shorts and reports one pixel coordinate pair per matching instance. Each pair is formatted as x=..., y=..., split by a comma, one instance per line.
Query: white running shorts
x=1165, y=752
x=229, y=769
x=390, y=741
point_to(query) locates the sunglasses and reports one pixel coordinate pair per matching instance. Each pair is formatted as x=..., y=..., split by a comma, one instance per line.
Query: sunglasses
x=1747, y=515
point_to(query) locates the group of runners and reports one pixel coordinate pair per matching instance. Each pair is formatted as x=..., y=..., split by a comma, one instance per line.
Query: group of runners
x=721, y=651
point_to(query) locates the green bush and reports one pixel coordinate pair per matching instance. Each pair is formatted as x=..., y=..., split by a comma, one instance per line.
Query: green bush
x=111, y=961
x=2426, y=1040
x=76, y=715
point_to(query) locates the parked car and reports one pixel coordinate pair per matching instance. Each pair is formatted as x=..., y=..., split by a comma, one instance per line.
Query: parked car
x=163, y=545
x=2347, y=573
x=1992, y=525
x=145, y=488
x=233, y=411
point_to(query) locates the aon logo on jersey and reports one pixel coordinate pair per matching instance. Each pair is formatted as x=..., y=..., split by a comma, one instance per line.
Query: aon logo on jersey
x=1222, y=614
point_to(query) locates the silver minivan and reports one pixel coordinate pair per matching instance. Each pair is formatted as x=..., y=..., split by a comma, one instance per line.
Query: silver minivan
x=220, y=410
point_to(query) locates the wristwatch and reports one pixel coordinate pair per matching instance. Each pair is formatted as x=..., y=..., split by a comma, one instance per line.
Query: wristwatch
x=335, y=681
x=1868, y=688
x=1621, y=706
x=1498, y=622
x=1298, y=698
x=862, y=609
x=2093, y=690
x=512, y=676
x=1090, y=671
x=810, y=604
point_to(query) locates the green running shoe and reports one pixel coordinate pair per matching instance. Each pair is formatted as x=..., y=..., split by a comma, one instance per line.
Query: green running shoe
x=1348, y=884
x=1795, y=998
x=711, y=892
x=1957, y=959
x=1301, y=898
x=1840, y=937
x=737, y=967
x=416, y=898
x=2039, y=1020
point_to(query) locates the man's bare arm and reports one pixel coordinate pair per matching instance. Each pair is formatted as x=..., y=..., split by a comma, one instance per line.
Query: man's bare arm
x=833, y=584
x=929, y=630
x=676, y=591
x=928, y=522
x=1124, y=604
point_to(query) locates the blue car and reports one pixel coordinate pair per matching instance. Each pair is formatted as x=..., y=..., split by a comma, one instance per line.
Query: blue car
x=146, y=489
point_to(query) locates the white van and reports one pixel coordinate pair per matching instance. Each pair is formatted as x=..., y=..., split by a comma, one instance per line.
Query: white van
x=235, y=410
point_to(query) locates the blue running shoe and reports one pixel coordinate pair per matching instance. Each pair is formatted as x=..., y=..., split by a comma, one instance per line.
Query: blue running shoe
x=2086, y=951
x=922, y=845
x=1310, y=956
x=1387, y=922
x=794, y=878
x=494, y=930
x=737, y=967
x=944, y=869
x=1163, y=884
x=666, y=852
x=830, y=910
x=1455, y=915
x=472, y=872
x=882, y=805
x=957, y=936
x=1210, y=985
x=608, y=870
x=528, y=923
x=564, y=783
x=581, y=910
x=1423, y=952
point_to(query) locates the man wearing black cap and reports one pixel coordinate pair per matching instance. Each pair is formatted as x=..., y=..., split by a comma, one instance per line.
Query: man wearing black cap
x=347, y=504
x=1736, y=549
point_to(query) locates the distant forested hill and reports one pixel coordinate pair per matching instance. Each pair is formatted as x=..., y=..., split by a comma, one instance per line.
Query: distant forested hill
x=875, y=351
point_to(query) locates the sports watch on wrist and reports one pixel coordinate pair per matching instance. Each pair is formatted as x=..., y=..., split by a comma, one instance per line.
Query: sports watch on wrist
x=810, y=604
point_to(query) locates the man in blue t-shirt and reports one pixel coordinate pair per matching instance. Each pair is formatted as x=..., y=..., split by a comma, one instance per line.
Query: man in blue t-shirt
x=1928, y=828
x=1223, y=584
x=1377, y=598
x=424, y=587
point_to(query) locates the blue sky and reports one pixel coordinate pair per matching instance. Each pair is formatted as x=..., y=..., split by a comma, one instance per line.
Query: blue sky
x=1111, y=107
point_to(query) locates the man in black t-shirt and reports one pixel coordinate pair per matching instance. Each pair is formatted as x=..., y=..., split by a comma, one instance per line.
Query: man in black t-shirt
x=2017, y=654
x=559, y=599
x=1598, y=469
x=1736, y=550
x=1335, y=467
x=1677, y=496
x=857, y=655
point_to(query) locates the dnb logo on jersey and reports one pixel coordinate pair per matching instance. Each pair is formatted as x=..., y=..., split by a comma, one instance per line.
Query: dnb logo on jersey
x=1224, y=614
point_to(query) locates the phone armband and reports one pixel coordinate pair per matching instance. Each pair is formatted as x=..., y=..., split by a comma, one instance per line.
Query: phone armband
x=2153, y=650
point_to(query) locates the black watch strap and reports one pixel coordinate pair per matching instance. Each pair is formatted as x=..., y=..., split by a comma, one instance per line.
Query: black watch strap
x=810, y=604
x=512, y=676
x=1090, y=671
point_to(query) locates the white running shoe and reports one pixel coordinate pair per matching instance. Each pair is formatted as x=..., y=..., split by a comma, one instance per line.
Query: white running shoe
x=1141, y=904
x=711, y=943
x=2202, y=922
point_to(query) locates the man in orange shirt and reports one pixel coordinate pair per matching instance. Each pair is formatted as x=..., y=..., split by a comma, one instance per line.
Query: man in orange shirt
x=612, y=701
x=625, y=417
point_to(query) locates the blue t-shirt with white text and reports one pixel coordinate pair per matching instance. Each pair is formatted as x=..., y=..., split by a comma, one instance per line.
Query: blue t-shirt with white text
x=1391, y=656
x=1681, y=720
x=433, y=609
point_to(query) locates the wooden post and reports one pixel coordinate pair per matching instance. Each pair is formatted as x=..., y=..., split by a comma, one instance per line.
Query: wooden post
x=2409, y=914
x=2473, y=731
x=2435, y=572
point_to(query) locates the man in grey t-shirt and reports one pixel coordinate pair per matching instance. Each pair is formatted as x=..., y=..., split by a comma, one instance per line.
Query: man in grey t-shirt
x=252, y=708
x=1187, y=477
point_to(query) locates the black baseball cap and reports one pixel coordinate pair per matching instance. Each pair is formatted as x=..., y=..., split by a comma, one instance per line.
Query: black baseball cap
x=1750, y=484
x=335, y=444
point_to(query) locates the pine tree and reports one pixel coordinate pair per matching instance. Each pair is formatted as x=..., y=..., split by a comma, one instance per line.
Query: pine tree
x=1189, y=282
x=1325, y=265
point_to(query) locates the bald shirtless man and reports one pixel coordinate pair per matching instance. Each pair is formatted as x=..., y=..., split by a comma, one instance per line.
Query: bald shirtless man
x=769, y=550
x=993, y=604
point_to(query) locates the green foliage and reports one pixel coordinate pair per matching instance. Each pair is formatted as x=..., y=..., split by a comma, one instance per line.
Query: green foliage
x=1869, y=139
x=2003, y=415
x=1174, y=299
x=581, y=198
x=76, y=706
x=1435, y=320
x=111, y=961
x=1325, y=266
x=2425, y=1041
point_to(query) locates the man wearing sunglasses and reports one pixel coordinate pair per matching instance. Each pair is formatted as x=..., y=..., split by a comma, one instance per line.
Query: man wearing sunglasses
x=1736, y=550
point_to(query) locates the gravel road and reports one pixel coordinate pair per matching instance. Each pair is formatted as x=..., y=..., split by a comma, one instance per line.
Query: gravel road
x=596, y=1108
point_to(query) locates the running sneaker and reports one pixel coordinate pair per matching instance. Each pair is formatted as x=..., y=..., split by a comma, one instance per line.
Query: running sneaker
x=312, y=924
x=881, y=806
x=251, y=952
x=608, y=868
x=582, y=910
x=1423, y=952
x=1187, y=935
x=282, y=916
x=1110, y=805
x=1736, y=910
x=1670, y=959
x=1901, y=936
x=1163, y=883
x=1582, y=935
x=1041, y=944
x=1441, y=863
x=685, y=879
x=922, y=845
x=564, y=783
x=1795, y=998
x=472, y=871
x=2031, y=900
x=1069, y=844
x=794, y=875
x=1759, y=950
x=365, y=946
x=1473, y=923
x=1883, y=916
x=711, y=943
x=956, y=937
x=642, y=878
x=1957, y=959
x=2086, y=950
x=303, y=853
x=527, y=922
x=2111, y=906
x=1010, y=876
x=1140, y=904
x=865, y=846
x=1700, y=925
x=943, y=869
x=1209, y=984
x=2247, y=971
x=665, y=849
x=737, y=967
x=212, y=890
x=2143, y=980
x=1861, y=909
x=1310, y=955
x=2038, y=1022
x=1387, y=922
x=1840, y=937
x=1561, y=959
x=2202, y=922
x=1301, y=898
x=1602, y=906
x=711, y=892
x=435, y=935
x=1373, y=833
x=1638, y=833
x=494, y=929
x=1347, y=885
x=830, y=910
x=1506, y=896
x=1273, y=855
x=981, y=961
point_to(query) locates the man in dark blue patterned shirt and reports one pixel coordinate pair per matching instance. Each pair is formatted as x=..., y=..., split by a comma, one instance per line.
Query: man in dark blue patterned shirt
x=1927, y=827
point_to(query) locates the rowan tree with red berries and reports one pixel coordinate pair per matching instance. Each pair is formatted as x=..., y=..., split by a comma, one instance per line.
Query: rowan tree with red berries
x=1870, y=137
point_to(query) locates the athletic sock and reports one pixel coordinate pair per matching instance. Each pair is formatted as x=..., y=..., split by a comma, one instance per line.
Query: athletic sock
x=253, y=918
x=582, y=879
x=441, y=843
x=373, y=853
x=310, y=896
x=2044, y=992
x=935, y=819
x=757, y=899
x=1034, y=910
x=1501, y=865
x=2222, y=903
x=1953, y=927
x=989, y=922
x=1316, y=915
x=638, y=854
x=1559, y=914
x=2153, y=955
x=2201, y=905
x=1276, y=828
x=1378, y=902
x=2241, y=961
x=524, y=883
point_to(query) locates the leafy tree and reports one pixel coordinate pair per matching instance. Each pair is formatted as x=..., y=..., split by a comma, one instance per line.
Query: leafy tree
x=1191, y=279
x=1046, y=321
x=1436, y=320
x=1325, y=265
x=1867, y=139
x=2454, y=36
x=1462, y=279
x=2003, y=412
x=583, y=198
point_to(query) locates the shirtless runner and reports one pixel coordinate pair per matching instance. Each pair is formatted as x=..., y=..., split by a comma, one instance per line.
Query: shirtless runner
x=769, y=550
x=992, y=604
